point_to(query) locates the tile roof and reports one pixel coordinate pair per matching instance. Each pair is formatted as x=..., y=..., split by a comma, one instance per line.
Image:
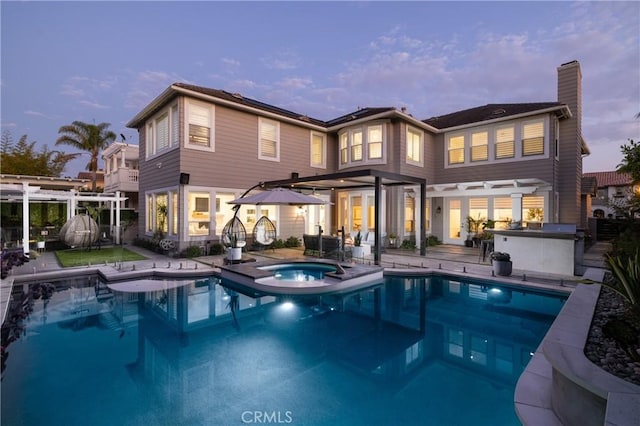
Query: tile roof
x=611, y=178
x=487, y=112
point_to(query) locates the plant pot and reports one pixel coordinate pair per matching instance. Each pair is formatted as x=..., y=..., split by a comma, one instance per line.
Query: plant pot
x=502, y=267
x=392, y=242
x=40, y=245
x=357, y=251
x=468, y=243
x=234, y=253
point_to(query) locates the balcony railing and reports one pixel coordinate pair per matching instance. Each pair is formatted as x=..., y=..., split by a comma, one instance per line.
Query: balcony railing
x=123, y=179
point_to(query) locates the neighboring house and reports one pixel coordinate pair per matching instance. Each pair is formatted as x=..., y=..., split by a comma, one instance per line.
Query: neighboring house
x=121, y=171
x=89, y=176
x=612, y=188
x=201, y=147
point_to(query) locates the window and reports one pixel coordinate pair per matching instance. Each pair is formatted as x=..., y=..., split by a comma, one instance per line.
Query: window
x=479, y=146
x=409, y=213
x=374, y=142
x=200, y=124
x=269, y=143
x=162, y=132
x=150, y=209
x=356, y=145
x=414, y=146
x=161, y=215
x=344, y=148
x=456, y=150
x=174, y=212
x=533, y=138
x=502, y=212
x=198, y=210
x=505, y=142
x=533, y=208
x=318, y=150
x=356, y=213
x=175, y=126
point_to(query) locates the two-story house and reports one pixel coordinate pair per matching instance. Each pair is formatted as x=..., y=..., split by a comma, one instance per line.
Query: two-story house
x=612, y=189
x=379, y=168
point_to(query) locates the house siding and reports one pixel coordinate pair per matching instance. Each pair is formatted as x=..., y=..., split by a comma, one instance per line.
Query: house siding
x=570, y=168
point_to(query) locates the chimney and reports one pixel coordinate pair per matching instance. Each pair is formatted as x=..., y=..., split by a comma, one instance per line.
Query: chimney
x=570, y=143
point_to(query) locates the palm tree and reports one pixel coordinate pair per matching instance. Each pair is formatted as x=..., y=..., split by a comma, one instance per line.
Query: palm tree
x=87, y=137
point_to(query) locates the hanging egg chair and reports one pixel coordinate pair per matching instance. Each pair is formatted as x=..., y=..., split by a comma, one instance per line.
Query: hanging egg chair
x=264, y=232
x=234, y=234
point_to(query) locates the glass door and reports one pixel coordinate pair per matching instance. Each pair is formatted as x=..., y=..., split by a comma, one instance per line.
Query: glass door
x=453, y=221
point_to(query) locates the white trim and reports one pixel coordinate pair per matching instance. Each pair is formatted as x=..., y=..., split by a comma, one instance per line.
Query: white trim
x=420, y=133
x=276, y=124
x=323, y=136
x=212, y=126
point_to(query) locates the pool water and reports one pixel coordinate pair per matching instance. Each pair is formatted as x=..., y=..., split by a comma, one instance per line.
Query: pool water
x=300, y=271
x=434, y=351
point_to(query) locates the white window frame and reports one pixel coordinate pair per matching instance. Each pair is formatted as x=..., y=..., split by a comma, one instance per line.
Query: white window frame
x=449, y=149
x=511, y=126
x=420, y=146
x=353, y=147
x=191, y=103
x=475, y=143
x=370, y=142
x=152, y=128
x=538, y=121
x=344, y=148
x=322, y=164
x=264, y=122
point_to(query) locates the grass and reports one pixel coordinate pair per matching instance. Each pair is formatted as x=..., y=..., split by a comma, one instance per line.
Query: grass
x=95, y=256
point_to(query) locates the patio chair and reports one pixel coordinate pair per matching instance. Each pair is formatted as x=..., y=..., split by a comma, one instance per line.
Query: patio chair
x=264, y=232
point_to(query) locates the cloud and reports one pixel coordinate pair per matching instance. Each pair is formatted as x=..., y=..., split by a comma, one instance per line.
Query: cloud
x=94, y=105
x=230, y=62
x=37, y=114
x=143, y=86
x=282, y=60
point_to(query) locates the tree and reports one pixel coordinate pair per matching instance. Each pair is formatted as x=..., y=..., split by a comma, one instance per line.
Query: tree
x=87, y=137
x=23, y=159
x=630, y=160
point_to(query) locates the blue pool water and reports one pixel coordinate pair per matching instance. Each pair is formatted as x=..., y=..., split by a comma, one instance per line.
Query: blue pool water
x=436, y=351
x=300, y=271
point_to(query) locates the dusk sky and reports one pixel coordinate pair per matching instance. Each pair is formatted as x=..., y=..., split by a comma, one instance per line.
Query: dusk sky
x=104, y=61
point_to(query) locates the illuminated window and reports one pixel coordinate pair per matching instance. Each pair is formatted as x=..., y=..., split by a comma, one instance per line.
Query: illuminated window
x=374, y=142
x=318, y=150
x=479, y=146
x=533, y=138
x=161, y=217
x=198, y=210
x=344, y=148
x=356, y=213
x=505, y=142
x=414, y=146
x=269, y=148
x=532, y=208
x=409, y=213
x=356, y=145
x=502, y=212
x=456, y=150
x=174, y=212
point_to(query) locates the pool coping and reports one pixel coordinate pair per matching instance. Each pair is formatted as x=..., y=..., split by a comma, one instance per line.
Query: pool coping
x=560, y=385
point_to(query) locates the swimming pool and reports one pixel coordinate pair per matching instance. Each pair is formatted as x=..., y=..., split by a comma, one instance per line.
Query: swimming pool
x=411, y=350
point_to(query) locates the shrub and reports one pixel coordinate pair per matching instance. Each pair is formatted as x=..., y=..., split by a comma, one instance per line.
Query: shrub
x=191, y=251
x=215, y=249
x=626, y=274
x=408, y=244
x=433, y=241
x=292, y=242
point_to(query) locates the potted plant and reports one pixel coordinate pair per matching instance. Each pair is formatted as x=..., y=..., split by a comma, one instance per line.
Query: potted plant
x=358, y=250
x=501, y=262
x=392, y=239
x=235, y=250
x=473, y=225
x=40, y=242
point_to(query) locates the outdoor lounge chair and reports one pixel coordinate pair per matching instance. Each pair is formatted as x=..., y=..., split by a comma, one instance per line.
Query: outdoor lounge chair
x=264, y=232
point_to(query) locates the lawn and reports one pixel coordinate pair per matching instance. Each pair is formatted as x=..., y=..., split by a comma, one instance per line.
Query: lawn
x=95, y=256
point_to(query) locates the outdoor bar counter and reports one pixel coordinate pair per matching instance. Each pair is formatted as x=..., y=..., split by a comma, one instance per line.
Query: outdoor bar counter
x=554, y=249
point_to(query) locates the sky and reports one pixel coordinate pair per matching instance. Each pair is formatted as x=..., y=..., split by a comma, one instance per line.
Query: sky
x=105, y=61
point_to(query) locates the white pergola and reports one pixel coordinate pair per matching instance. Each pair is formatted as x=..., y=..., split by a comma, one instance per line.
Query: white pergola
x=22, y=188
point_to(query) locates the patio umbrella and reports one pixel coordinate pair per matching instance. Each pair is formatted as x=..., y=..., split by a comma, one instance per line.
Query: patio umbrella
x=278, y=196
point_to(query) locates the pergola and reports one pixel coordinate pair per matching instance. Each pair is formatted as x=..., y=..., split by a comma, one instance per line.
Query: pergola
x=358, y=179
x=14, y=188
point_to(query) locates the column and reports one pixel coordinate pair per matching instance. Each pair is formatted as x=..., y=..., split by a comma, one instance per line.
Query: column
x=516, y=207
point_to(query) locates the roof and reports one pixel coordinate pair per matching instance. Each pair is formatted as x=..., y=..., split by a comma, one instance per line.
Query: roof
x=611, y=178
x=492, y=112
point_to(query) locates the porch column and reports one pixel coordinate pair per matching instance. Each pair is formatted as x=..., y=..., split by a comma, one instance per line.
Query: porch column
x=377, y=253
x=516, y=207
x=423, y=219
x=124, y=150
x=25, y=218
x=117, y=229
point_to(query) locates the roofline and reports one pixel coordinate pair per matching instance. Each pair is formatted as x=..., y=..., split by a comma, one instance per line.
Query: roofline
x=27, y=178
x=563, y=108
x=308, y=180
x=175, y=90
x=385, y=114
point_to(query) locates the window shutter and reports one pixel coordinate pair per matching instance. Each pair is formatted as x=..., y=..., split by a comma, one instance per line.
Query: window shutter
x=162, y=132
x=175, y=126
